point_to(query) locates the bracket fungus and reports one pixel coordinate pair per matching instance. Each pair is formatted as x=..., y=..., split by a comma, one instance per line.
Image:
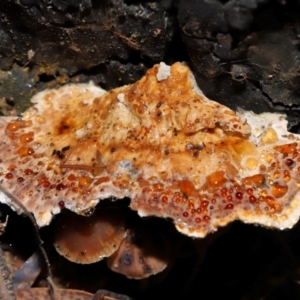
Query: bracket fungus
x=141, y=254
x=86, y=240
x=162, y=143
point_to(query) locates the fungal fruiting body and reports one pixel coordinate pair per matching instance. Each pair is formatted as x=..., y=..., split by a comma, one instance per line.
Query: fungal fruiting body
x=159, y=141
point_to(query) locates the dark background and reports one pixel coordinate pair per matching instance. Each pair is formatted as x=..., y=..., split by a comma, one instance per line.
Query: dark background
x=244, y=54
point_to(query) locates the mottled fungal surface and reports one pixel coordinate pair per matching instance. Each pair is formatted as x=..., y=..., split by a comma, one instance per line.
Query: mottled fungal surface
x=162, y=143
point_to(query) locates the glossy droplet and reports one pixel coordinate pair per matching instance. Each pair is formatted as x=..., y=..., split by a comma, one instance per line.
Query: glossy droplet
x=206, y=219
x=9, y=176
x=61, y=204
x=27, y=137
x=71, y=177
x=289, y=163
x=84, y=181
x=25, y=151
x=252, y=199
x=287, y=148
x=164, y=199
x=28, y=172
x=279, y=190
x=204, y=204
x=239, y=195
x=197, y=220
x=251, y=163
x=60, y=186
x=20, y=179
x=249, y=191
x=276, y=175
x=216, y=179
x=270, y=201
x=229, y=206
x=229, y=198
x=257, y=180
x=185, y=214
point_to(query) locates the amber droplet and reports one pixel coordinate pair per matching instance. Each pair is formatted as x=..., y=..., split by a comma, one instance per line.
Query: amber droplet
x=107, y=179
x=289, y=163
x=20, y=179
x=229, y=206
x=216, y=179
x=249, y=191
x=60, y=186
x=84, y=181
x=270, y=201
x=252, y=199
x=257, y=180
x=279, y=190
x=204, y=204
x=287, y=148
x=16, y=125
x=71, y=177
x=276, y=175
x=164, y=199
x=61, y=204
x=229, y=198
x=28, y=172
x=239, y=195
x=185, y=214
x=206, y=219
x=27, y=137
x=187, y=187
x=197, y=220
x=25, y=151
x=9, y=176
x=286, y=176
x=264, y=193
x=46, y=183
x=12, y=167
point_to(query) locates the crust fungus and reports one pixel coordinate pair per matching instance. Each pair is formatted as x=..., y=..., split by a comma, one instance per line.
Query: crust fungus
x=162, y=143
x=86, y=240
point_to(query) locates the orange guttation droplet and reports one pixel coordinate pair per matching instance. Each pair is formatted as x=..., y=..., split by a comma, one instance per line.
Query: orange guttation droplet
x=185, y=214
x=71, y=177
x=84, y=181
x=256, y=180
x=270, y=201
x=27, y=137
x=229, y=206
x=9, y=176
x=239, y=195
x=20, y=179
x=289, y=163
x=279, y=190
x=61, y=204
x=28, y=172
x=287, y=148
x=16, y=125
x=206, y=219
x=25, y=151
x=252, y=199
x=60, y=186
x=216, y=179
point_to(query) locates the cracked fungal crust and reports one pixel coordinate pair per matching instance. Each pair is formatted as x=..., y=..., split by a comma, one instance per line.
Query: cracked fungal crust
x=174, y=152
